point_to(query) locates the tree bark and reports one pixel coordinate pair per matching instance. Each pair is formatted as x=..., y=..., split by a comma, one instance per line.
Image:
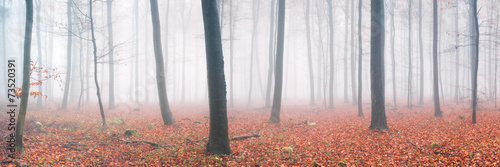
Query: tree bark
x=68, y=58
x=218, y=142
x=332, y=69
x=275, y=110
x=111, y=46
x=39, y=47
x=101, y=108
x=353, y=57
x=378, y=120
x=393, y=29
x=437, y=107
x=346, y=35
x=409, y=58
x=475, y=58
x=231, y=55
x=255, y=15
x=360, y=60
x=26, y=78
x=166, y=114
x=271, y=59
x=421, y=47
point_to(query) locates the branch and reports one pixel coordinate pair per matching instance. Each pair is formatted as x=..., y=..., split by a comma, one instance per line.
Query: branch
x=244, y=137
x=416, y=146
x=139, y=141
x=443, y=153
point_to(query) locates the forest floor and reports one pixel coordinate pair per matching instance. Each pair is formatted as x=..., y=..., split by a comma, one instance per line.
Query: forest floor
x=306, y=135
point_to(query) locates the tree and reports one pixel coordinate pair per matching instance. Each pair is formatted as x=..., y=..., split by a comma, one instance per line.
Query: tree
x=353, y=57
x=218, y=141
x=330, y=21
x=255, y=15
x=101, y=108
x=271, y=55
x=437, y=108
x=111, y=88
x=26, y=77
x=68, y=57
x=167, y=116
x=278, y=79
x=39, y=48
x=393, y=30
x=346, y=35
x=231, y=55
x=360, y=60
x=475, y=58
x=409, y=58
x=421, y=47
x=309, y=56
x=377, y=77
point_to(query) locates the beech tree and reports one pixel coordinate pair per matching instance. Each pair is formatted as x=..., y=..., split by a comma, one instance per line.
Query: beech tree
x=218, y=141
x=474, y=58
x=437, y=107
x=68, y=57
x=278, y=80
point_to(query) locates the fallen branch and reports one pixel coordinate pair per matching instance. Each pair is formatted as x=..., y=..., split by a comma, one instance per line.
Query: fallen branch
x=415, y=146
x=140, y=141
x=443, y=153
x=244, y=137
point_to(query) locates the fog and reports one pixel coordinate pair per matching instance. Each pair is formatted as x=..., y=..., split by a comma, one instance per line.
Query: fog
x=184, y=51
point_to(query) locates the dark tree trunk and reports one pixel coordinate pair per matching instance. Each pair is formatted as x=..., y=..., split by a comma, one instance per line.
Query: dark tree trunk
x=378, y=120
x=68, y=58
x=278, y=82
x=360, y=58
x=475, y=58
x=26, y=77
x=101, y=108
x=167, y=116
x=111, y=55
x=330, y=21
x=218, y=142
x=437, y=107
x=271, y=59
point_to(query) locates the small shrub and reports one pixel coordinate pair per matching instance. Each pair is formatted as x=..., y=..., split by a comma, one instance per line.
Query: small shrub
x=434, y=144
x=130, y=132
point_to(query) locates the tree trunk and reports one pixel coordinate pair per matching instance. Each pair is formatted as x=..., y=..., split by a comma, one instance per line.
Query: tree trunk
x=421, y=47
x=231, y=43
x=409, y=58
x=101, y=108
x=475, y=58
x=39, y=47
x=271, y=59
x=346, y=35
x=255, y=14
x=353, y=57
x=278, y=82
x=360, y=60
x=378, y=120
x=111, y=55
x=393, y=33
x=309, y=56
x=218, y=141
x=330, y=21
x=166, y=114
x=146, y=66
x=456, y=35
x=68, y=58
x=437, y=107
x=26, y=78
x=184, y=28
x=136, y=14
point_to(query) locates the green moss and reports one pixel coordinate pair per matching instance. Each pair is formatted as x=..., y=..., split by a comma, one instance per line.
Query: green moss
x=342, y=163
x=116, y=121
x=130, y=132
x=315, y=164
x=434, y=144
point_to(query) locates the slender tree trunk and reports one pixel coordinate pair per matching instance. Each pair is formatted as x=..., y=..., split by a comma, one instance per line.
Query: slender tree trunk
x=101, y=108
x=378, y=120
x=184, y=29
x=218, y=141
x=80, y=69
x=409, y=58
x=26, y=78
x=255, y=14
x=346, y=35
x=475, y=59
x=456, y=36
x=320, y=52
x=68, y=58
x=146, y=62
x=39, y=47
x=437, y=107
x=490, y=27
x=360, y=60
x=393, y=33
x=332, y=69
x=271, y=55
x=353, y=57
x=166, y=38
x=136, y=14
x=110, y=56
x=496, y=59
x=309, y=56
x=275, y=110
x=231, y=55
x=166, y=114
x=421, y=47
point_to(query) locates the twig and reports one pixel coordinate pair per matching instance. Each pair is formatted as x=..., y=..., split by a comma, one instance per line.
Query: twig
x=139, y=141
x=244, y=137
x=415, y=146
x=435, y=152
